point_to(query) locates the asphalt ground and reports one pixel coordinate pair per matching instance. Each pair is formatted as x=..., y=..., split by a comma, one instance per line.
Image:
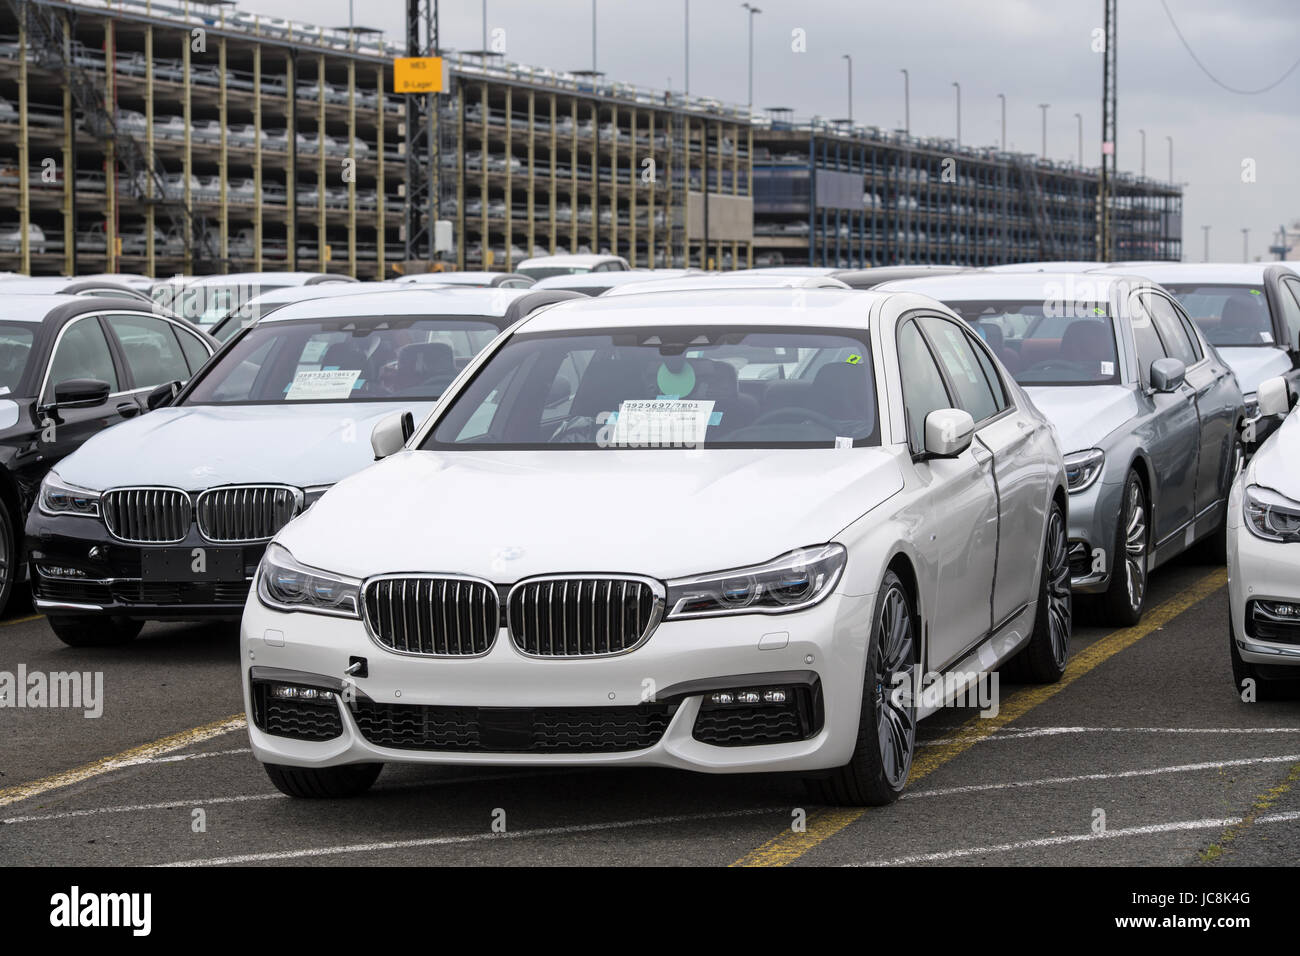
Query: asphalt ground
x=1142, y=755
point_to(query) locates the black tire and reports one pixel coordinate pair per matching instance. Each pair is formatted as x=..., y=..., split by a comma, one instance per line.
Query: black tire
x=1213, y=548
x=882, y=756
x=323, y=783
x=94, y=631
x=1043, y=659
x=9, y=561
x=1126, y=596
x=1266, y=688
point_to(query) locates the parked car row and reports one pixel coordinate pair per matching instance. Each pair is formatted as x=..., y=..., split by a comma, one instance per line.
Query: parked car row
x=863, y=481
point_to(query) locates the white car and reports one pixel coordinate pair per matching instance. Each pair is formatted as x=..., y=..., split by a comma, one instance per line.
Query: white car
x=543, y=267
x=1264, y=558
x=607, y=544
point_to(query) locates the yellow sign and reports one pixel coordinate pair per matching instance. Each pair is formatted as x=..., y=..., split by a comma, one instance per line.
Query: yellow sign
x=417, y=74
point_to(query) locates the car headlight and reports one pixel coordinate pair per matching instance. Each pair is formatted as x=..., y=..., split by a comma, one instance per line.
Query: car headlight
x=1271, y=516
x=1083, y=467
x=57, y=497
x=792, y=582
x=287, y=585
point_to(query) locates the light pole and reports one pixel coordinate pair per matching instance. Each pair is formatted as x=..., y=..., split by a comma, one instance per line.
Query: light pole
x=1206, y=230
x=485, y=46
x=1245, y=245
x=753, y=11
x=848, y=59
x=1143, y=168
x=1003, y=98
x=907, y=103
x=957, y=86
x=1079, y=117
x=688, y=47
x=593, y=38
x=1170, y=140
x=1043, y=107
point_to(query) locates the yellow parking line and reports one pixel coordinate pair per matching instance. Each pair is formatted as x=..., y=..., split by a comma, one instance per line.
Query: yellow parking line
x=822, y=825
x=22, y=620
x=126, y=758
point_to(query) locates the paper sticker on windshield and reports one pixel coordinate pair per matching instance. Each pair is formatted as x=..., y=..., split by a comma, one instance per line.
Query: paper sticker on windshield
x=854, y=359
x=322, y=385
x=661, y=424
x=1107, y=368
x=312, y=352
x=1266, y=338
x=843, y=442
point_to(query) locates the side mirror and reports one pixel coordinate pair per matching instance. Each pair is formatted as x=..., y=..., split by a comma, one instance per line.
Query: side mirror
x=1274, y=398
x=1167, y=374
x=163, y=395
x=81, y=393
x=390, y=434
x=948, y=432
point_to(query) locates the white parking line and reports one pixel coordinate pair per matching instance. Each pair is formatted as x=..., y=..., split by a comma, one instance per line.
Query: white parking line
x=1151, y=830
x=475, y=838
x=1117, y=775
x=1022, y=733
x=199, y=756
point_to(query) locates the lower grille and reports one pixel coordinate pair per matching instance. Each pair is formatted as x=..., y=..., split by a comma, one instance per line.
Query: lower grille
x=436, y=616
x=138, y=592
x=245, y=512
x=1080, y=559
x=798, y=717
x=72, y=591
x=299, y=719
x=512, y=730
x=1264, y=624
x=583, y=616
x=147, y=515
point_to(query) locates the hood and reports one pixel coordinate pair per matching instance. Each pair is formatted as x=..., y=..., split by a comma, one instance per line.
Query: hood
x=508, y=515
x=1274, y=464
x=201, y=446
x=1254, y=364
x=1085, y=415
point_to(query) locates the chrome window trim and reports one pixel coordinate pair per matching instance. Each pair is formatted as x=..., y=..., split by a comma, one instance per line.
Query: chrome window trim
x=427, y=576
x=299, y=499
x=658, y=609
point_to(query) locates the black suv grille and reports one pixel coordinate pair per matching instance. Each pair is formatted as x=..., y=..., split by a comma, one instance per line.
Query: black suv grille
x=75, y=591
x=512, y=729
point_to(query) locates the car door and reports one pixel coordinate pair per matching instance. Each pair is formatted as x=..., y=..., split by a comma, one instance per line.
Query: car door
x=1172, y=434
x=81, y=351
x=1018, y=473
x=960, y=500
x=1217, y=416
x=150, y=350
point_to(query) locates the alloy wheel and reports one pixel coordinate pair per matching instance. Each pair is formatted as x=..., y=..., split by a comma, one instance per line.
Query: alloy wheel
x=1135, y=546
x=1060, y=606
x=895, y=666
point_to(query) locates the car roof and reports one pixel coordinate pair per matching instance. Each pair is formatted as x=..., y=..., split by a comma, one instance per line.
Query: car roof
x=569, y=259
x=1050, y=265
x=255, y=278
x=1087, y=286
x=460, y=278
x=729, y=280
x=297, y=293
x=1244, y=273
x=25, y=307
x=837, y=308
x=403, y=300
x=606, y=280
x=787, y=271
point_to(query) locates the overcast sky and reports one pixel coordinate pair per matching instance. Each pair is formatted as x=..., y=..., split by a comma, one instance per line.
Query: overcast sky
x=1034, y=51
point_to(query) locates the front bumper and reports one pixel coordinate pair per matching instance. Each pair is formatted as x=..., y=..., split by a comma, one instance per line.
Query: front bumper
x=663, y=684
x=78, y=568
x=1094, y=516
x=1267, y=572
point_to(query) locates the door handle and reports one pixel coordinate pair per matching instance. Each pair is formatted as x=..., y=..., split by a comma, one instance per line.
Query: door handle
x=128, y=409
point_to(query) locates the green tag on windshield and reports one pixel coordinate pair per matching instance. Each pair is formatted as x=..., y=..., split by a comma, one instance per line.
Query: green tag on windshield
x=676, y=383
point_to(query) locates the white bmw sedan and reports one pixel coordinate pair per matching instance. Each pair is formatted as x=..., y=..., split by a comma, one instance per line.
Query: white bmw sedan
x=1264, y=559
x=723, y=531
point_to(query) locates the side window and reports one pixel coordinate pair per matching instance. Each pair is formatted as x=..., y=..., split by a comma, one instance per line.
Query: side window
x=151, y=351
x=1189, y=327
x=991, y=374
x=957, y=356
x=1147, y=340
x=1170, y=328
x=82, y=352
x=923, y=388
x=1291, y=311
x=196, y=353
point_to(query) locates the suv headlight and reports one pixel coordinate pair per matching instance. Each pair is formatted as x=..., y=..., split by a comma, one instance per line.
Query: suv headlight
x=792, y=582
x=1271, y=516
x=287, y=585
x=1083, y=467
x=57, y=497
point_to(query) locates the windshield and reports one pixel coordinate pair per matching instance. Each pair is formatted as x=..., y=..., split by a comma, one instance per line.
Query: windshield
x=15, y=348
x=546, y=272
x=1227, y=314
x=1049, y=343
x=344, y=360
x=683, y=387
